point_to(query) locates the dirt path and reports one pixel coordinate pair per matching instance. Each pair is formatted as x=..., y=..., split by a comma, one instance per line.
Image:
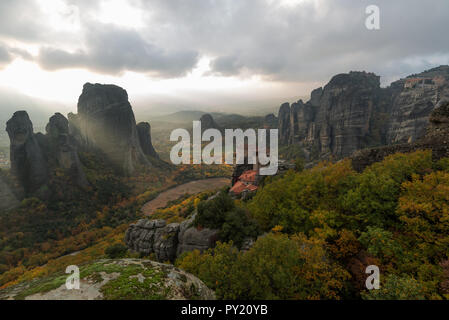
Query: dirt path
x=177, y=192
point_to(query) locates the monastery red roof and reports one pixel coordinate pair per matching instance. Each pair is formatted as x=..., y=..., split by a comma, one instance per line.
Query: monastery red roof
x=240, y=187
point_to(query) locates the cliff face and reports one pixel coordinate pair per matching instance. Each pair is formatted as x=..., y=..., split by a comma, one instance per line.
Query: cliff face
x=34, y=156
x=168, y=241
x=106, y=121
x=144, y=133
x=208, y=122
x=412, y=105
x=63, y=148
x=353, y=112
x=28, y=163
x=436, y=138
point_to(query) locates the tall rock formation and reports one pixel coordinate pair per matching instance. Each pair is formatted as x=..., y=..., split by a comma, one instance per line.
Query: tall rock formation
x=413, y=102
x=106, y=122
x=353, y=112
x=208, y=122
x=28, y=162
x=62, y=148
x=168, y=241
x=270, y=121
x=436, y=138
x=34, y=155
x=144, y=133
x=284, y=124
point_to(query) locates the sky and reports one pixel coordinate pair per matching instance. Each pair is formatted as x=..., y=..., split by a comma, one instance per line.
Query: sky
x=211, y=52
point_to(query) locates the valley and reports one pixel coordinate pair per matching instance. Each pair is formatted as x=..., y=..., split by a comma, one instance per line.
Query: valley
x=189, y=188
x=101, y=185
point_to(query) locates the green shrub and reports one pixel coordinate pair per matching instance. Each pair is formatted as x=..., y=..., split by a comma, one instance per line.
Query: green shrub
x=116, y=251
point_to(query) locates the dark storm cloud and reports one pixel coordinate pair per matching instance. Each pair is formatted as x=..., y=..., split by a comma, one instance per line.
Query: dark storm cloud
x=310, y=41
x=112, y=50
x=307, y=42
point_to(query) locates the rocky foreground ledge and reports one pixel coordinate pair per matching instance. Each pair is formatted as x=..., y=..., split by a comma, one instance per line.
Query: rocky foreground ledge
x=168, y=242
x=125, y=279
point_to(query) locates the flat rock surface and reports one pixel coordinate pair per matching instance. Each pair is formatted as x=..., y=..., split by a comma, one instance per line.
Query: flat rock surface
x=124, y=279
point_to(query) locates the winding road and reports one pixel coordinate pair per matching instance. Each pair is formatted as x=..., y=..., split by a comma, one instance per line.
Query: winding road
x=188, y=188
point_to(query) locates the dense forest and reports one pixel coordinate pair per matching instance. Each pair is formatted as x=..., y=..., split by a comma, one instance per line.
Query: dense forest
x=74, y=219
x=321, y=228
x=317, y=230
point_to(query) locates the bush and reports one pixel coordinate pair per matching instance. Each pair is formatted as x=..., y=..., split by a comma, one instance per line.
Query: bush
x=116, y=251
x=212, y=213
x=276, y=267
x=222, y=214
x=396, y=288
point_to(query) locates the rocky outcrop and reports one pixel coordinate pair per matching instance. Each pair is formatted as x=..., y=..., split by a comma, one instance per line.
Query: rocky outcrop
x=35, y=156
x=270, y=121
x=106, y=122
x=208, y=122
x=436, y=139
x=63, y=149
x=153, y=236
x=103, y=279
x=284, y=124
x=353, y=112
x=144, y=133
x=191, y=238
x=168, y=241
x=28, y=163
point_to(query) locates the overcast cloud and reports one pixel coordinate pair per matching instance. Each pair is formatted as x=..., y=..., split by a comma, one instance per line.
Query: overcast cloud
x=306, y=41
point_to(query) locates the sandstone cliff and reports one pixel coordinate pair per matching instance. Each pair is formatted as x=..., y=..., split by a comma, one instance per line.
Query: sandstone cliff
x=106, y=122
x=62, y=148
x=353, y=112
x=35, y=155
x=208, y=122
x=144, y=133
x=436, y=138
x=28, y=162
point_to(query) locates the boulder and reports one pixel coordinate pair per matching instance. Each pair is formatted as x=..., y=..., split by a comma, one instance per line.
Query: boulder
x=168, y=241
x=191, y=238
x=153, y=236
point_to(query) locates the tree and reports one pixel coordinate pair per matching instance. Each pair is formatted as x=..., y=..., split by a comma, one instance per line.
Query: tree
x=396, y=288
x=276, y=267
x=116, y=251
